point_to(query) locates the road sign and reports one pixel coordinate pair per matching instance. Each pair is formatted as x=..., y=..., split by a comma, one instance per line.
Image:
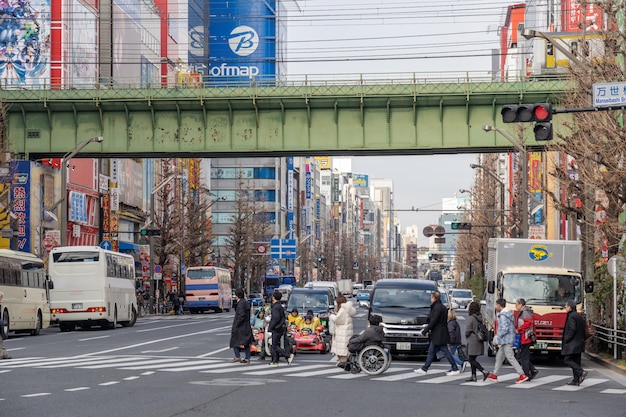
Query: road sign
x=283, y=248
x=157, y=269
x=609, y=94
x=106, y=244
x=261, y=249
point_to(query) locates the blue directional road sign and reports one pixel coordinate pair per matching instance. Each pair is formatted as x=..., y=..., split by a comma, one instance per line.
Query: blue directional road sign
x=283, y=249
x=106, y=244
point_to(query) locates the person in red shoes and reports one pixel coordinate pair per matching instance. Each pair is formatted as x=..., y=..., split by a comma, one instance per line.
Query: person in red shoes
x=504, y=340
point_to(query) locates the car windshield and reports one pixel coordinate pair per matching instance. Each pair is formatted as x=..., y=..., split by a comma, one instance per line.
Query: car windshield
x=402, y=297
x=544, y=289
x=307, y=301
x=462, y=294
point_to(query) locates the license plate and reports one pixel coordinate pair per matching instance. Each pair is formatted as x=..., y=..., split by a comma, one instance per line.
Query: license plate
x=403, y=346
x=202, y=298
x=541, y=345
x=77, y=306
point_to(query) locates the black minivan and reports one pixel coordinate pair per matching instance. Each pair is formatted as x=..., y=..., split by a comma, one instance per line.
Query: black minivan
x=404, y=305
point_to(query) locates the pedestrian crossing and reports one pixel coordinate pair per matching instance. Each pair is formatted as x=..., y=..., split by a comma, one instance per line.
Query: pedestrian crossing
x=554, y=379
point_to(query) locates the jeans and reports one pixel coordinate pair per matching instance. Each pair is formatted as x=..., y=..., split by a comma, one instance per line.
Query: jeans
x=432, y=352
x=506, y=351
x=237, y=351
x=453, y=349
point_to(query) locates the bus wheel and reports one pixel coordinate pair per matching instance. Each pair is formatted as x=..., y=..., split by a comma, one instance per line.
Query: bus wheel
x=5, y=327
x=133, y=319
x=66, y=327
x=37, y=329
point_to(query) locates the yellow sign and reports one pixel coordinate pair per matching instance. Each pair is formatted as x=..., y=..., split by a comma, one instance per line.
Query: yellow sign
x=323, y=162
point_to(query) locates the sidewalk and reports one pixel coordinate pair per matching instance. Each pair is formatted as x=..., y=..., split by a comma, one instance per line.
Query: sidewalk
x=607, y=363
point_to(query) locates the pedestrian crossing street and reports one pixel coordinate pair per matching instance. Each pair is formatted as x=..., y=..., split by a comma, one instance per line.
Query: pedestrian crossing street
x=553, y=379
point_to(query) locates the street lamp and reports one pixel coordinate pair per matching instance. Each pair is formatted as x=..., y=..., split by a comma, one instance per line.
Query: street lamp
x=64, y=164
x=497, y=178
x=523, y=195
x=151, y=237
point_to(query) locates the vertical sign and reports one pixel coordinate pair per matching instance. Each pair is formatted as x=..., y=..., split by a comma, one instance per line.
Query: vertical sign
x=20, y=201
x=308, y=180
x=290, y=216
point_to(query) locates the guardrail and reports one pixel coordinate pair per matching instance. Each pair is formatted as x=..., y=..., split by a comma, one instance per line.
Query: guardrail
x=614, y=338
x=291, y=80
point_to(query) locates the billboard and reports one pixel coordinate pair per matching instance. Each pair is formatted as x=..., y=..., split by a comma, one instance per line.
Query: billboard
x=242, y=41
x=575, y=18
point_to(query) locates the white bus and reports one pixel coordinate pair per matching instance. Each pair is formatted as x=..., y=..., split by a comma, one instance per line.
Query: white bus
x=208, y=288
x=25, y=306
x=93, y=287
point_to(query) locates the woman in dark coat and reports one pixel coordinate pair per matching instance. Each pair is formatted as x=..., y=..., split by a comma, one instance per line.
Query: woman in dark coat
x=241, y=334
x=475, y=348
x=574, y=342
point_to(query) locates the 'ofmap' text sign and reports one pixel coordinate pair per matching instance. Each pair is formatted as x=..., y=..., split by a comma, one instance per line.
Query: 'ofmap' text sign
x=609, y=94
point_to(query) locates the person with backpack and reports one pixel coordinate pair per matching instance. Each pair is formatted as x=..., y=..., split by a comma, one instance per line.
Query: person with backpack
x=439, y=336
x=525, y=329
x=475, y=334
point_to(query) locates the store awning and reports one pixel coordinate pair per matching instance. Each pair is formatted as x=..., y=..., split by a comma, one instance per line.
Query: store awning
x=128, y=247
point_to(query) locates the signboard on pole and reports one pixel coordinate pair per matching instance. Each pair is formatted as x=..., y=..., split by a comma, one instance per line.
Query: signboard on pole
x=609, y=94
x=283, y=249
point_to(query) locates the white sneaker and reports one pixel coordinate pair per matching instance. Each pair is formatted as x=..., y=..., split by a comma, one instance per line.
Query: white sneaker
x=452, y=373
x=464, y=366
x=420, y=371
x=290, y=359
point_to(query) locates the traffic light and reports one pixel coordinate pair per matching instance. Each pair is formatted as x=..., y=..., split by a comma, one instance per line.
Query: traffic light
x=430, y=256
x=520, y=113
x=150, y=232
x=461, y=226
x=541, y=113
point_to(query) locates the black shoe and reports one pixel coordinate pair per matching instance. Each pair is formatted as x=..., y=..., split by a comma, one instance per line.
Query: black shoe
x=573, y=382
x=533, y=374
x=582, y=377
x=485, y=375
x=472, y=379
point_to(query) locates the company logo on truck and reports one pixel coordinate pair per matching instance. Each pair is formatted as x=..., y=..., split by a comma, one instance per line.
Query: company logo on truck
x=539, y=253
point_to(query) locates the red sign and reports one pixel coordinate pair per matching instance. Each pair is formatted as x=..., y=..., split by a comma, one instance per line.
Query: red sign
x=261, y=249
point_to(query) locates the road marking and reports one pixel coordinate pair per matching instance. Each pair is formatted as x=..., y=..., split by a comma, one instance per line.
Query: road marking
x=16, y=349
x=201, y=367
x=21, y=360
x=5, y=371
x=501, y=378
x=166, y=327
x=165, y=339
x=239, y=367
x=589, y=382
x=39, y=394
x=93, y=338
x=76, y=389
x=85, y=362
x=130, y=378
x=335, y=370
x=409, y=375
x=106, y=384
x=613, y=391
x=160, y=351
x=213, y=352
x=539, y=381
x=184, y=362
x=441, y=379
x=284, y=370
x=140, y=365
x=45, y=362
x=148, y=373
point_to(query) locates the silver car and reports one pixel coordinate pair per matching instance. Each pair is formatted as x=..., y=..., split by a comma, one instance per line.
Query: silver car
x=461, y=297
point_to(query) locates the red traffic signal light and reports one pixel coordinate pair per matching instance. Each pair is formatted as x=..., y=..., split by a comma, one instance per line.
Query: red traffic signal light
x=520, y=113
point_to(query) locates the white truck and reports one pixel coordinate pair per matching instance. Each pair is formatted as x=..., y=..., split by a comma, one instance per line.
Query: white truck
x=345, y=286
x=545, y=273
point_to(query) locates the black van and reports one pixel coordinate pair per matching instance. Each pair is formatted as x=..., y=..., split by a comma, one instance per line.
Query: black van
x=404, y=305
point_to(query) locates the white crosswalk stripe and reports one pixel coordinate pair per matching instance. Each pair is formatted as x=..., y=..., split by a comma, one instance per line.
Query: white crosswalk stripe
x=301, y=368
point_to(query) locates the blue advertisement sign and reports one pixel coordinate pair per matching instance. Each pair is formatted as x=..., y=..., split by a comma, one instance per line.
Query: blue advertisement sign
x=242, y=41
x=291, y=225
x=20, y=203
x=360, y=180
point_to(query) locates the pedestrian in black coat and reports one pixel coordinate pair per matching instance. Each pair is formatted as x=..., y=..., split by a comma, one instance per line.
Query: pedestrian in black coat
x=241, y=333
x=277, y=328
x=574, y=342
x=439, y=336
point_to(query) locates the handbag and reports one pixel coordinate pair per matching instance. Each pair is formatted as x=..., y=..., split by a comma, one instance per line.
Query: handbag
x=531, y=335
x=517, y=342
x=590, y=331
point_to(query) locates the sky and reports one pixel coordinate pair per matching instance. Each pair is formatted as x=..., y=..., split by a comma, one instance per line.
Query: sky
x=400, y=36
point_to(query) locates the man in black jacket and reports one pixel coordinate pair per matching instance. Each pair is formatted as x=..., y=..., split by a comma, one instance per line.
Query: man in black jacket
x=574, y=342
x=277, y=328
x=439, y=336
